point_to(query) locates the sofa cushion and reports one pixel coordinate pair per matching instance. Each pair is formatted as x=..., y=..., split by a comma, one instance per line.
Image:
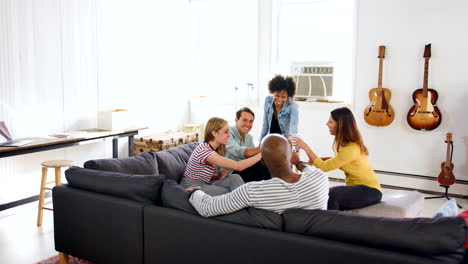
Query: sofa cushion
x=254, y=217
x=175, y=196
x=424, y=236
x=144, y=164
x=140, y=188
x=172, y=162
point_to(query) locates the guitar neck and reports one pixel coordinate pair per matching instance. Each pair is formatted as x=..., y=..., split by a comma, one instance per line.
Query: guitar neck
x=379, y=83
x=447, y=157
x=426, y=76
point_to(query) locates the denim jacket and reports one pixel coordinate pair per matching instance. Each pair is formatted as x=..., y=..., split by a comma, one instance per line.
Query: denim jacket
x=288, y=117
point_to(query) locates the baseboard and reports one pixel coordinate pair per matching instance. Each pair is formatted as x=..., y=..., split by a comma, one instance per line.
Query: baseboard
x=416, y=182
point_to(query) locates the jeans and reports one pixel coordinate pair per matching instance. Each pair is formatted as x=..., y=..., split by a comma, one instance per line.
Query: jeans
x=352, y=197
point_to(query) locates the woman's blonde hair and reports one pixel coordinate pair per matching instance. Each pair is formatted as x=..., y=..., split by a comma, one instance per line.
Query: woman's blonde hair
x=215, y=124
x=346, y=130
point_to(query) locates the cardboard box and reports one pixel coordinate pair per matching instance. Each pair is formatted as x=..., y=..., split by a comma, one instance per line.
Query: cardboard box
x=115, y=119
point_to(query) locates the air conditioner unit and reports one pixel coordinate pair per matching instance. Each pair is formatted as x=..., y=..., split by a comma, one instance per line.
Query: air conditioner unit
x=313, y=80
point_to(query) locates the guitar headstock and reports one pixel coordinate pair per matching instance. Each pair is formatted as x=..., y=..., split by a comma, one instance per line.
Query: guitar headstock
x=448, y=137
x=381, y=52
x=427, y=51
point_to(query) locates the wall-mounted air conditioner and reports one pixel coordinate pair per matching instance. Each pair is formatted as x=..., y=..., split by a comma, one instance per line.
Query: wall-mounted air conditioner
x=313, y=80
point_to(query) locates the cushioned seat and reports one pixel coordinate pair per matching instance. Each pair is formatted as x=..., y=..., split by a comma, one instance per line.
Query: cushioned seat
x=396, y=204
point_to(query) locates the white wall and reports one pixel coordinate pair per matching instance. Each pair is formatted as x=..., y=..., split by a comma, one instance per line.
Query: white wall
x=48, y=83
x=61, y=61
x=405, y=27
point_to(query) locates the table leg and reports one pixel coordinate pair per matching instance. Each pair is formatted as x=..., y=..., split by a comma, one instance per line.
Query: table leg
x=115, y=148
x=131, y=146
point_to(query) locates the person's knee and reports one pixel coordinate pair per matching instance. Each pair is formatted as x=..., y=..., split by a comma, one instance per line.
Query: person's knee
x=236, y=181
x=333, y=203
x=214, y=190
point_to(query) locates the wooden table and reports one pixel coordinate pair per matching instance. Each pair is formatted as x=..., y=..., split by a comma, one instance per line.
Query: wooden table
x=49, y=143
x=88, y=136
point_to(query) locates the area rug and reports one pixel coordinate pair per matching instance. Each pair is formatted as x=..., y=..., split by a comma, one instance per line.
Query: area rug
x=55, y=260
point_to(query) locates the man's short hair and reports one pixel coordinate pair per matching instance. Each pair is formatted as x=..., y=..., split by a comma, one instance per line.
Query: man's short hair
x=244, y=109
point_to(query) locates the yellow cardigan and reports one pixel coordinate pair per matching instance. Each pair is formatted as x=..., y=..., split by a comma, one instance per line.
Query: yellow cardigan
x=355, y=165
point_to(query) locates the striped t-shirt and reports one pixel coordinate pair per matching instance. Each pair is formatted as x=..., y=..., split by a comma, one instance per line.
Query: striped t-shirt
x=197, y=168
x=310, y=192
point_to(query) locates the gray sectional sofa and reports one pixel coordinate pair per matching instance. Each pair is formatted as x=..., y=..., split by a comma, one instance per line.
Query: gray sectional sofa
x=132, y=210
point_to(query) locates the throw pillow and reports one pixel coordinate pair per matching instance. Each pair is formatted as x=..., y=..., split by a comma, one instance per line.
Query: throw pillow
x=172, y=162
x=144, y=164
x=436, y=237
x=449, y=208
x=175, y=196
x=140, y=188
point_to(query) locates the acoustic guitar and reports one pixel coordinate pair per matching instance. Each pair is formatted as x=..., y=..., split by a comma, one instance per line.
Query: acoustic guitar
x=379, y=112
x=446, y=176
x=424, y=114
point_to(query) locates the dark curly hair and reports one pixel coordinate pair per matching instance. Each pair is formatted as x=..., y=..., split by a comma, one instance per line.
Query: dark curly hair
x=282, y=83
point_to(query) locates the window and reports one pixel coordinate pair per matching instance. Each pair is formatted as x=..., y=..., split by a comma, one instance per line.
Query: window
x=316, y=33
x=225, y=48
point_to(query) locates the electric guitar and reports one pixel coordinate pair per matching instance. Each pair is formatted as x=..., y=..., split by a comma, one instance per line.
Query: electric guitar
x=379, y=112
x=446, y=176
x=424, y=114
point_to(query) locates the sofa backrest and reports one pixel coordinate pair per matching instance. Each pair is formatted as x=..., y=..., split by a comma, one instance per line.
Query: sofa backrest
x=143, y=164
x=440, y=239
x=141, y=188
x=172, y=162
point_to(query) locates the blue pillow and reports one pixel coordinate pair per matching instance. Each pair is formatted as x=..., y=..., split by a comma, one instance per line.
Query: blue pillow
x=449, y=208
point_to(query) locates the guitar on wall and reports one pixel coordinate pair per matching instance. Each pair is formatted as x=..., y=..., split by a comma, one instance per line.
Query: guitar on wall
x=379, y=112
x=424, y=114
x=446, y=176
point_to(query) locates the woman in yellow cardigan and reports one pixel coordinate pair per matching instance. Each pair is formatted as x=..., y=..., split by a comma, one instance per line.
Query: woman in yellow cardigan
x=362, y=186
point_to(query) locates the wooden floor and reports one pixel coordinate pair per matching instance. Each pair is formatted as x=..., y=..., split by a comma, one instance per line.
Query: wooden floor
x=21, y=242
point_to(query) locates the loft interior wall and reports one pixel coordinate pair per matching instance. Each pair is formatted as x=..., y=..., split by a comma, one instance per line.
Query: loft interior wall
x=48, y=83
x=405, y=27
x=146, y=59
x=63, y=61
x=52, y=53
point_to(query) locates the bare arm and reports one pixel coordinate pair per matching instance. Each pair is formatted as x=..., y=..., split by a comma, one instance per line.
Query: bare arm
x=249, y=152
x=296, y=161
x=301, y=144
x=230, y=164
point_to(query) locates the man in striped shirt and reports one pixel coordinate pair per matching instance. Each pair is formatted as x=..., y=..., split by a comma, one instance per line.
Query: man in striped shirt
x=286, y=189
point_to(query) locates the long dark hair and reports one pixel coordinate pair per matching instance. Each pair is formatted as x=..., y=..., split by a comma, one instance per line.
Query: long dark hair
x=346, y=130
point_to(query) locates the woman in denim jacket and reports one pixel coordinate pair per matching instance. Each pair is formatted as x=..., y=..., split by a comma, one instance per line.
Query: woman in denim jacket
x=281, y=113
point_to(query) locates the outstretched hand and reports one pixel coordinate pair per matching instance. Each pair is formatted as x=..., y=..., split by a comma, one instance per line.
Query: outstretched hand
x=299, y=142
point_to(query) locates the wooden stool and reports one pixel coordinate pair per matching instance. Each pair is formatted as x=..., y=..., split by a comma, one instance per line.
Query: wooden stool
x=57, y=164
